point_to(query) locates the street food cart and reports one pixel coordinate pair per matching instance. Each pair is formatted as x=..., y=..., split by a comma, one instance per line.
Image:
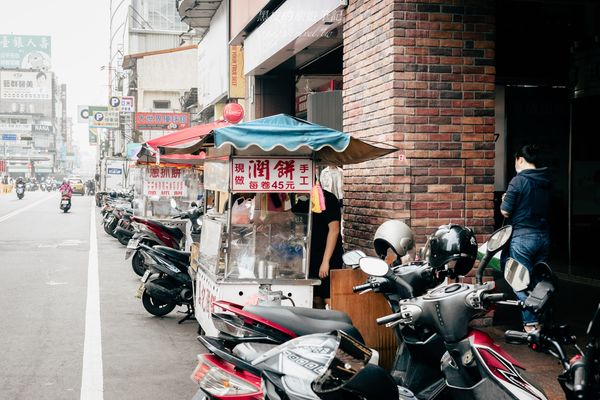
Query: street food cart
x=258, y=182
x=179, y=177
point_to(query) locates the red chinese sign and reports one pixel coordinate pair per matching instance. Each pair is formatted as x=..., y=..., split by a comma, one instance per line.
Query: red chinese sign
x=272, y=175
x=161, y=121
x=165, y=182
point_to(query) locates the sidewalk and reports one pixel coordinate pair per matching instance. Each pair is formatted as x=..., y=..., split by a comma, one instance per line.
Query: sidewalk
x=575, y=304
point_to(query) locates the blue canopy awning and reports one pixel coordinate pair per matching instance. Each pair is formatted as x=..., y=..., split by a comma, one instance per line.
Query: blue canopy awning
x=291, y=134
x=280, y=130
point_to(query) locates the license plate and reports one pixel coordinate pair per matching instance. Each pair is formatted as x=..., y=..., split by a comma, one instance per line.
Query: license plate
x=133, y=244
x=64, y=202
x=140, y=291
x=128, y=253
x=146, y=276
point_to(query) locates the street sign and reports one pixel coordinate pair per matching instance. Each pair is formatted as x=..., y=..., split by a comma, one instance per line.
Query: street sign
x=83, y=114
x=127, y=104
x=12, y=137
x=115, y=102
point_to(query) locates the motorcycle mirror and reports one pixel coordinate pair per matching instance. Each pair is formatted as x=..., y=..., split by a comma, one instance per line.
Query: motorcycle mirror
x=516, y=275
x=499, y=238
x=373, y=266
x=173, y=203
x=352, y=258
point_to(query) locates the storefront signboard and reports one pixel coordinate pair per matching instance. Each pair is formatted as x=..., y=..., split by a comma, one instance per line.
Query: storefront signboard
x=161, y=121
x=165, y=182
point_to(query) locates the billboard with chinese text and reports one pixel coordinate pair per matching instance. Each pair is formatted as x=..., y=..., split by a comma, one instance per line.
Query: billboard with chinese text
x=25, y=51
x=26, y=92
x=161, y=121
x=273, y=174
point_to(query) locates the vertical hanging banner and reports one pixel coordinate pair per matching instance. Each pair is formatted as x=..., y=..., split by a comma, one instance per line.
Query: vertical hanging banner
x=237, y=80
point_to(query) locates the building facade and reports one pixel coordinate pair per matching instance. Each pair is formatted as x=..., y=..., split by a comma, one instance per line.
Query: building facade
x=456, y=85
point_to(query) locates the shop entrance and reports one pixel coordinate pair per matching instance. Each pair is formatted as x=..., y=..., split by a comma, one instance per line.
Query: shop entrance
x=548, y=69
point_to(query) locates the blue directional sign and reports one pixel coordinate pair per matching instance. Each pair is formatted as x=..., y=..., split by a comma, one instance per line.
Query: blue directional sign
x=9, y=137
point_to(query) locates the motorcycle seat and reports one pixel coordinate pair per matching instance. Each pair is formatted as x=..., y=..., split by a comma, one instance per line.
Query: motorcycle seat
x=183, y=256
x=176, y=232
x=306, y=321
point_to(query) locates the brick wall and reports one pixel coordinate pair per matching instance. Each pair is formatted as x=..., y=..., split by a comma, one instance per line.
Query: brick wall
x=420, y=75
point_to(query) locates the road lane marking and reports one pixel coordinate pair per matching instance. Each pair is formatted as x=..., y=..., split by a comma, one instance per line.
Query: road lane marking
x=20, y=210
x=92, y=381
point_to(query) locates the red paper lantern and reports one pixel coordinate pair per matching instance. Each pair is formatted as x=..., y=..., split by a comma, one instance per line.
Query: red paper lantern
x=233, y=113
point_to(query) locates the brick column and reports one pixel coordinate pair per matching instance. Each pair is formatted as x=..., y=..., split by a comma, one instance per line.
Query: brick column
x=420, y=75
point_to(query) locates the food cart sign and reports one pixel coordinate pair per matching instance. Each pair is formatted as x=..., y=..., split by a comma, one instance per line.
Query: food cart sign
x=166, y=182
x=272, y=174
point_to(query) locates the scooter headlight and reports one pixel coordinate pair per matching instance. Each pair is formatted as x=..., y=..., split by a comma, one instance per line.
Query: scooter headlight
x=218, y=381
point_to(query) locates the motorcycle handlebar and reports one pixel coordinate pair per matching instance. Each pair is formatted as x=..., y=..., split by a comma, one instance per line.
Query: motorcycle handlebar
x=517, y=337
x=389, y=318
x=360, y=288
x=493, y=297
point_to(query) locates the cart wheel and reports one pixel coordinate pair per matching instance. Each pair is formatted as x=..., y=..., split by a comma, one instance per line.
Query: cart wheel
x=156, y=307
x=137, y=263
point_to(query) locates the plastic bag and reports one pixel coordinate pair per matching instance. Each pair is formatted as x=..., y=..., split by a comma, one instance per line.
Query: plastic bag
x=240, y=211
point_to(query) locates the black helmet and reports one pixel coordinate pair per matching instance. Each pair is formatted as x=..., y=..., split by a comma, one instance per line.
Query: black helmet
x=393, y=234
x=113, y=194
x=454, y=246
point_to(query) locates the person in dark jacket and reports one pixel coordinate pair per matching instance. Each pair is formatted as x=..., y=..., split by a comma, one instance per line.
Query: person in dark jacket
x=527, y=205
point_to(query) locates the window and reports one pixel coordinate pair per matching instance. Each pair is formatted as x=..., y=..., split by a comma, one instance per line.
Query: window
x=162, y=104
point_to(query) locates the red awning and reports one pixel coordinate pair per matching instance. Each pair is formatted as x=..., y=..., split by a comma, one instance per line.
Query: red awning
x=185, y=136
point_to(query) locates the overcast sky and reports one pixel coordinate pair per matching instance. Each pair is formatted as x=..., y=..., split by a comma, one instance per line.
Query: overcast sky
x=79, y=30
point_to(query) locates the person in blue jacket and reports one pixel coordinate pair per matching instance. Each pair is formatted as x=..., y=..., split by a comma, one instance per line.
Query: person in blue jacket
x=527, y=205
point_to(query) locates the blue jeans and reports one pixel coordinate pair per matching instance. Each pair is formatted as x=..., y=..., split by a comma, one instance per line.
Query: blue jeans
x=529, y=249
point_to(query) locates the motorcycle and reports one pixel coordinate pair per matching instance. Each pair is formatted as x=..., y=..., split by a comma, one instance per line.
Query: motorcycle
x=166, y=282
x=65, y=203
x=152, y=233
x=473, y=366
x=580, y=378
x=20, y=190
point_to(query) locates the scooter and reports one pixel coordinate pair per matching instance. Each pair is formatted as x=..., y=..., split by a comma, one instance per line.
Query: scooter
x=152, y=233
x=580, y=378
x=166, y=282
x=20, y=189
x=65, y=203
x=473, y=366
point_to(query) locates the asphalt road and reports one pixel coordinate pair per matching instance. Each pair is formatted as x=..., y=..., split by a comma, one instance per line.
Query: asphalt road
x=45, y=257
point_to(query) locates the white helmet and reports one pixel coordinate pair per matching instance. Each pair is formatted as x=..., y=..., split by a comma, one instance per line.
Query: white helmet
x=393, y=234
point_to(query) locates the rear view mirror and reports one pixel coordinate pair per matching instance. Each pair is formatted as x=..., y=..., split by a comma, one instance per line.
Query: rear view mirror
x=373, y=266
x=499, y=238
x=351, y=258
x=516, y=274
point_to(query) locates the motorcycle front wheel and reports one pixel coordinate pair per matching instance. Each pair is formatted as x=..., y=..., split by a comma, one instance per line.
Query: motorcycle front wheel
x=137, y=264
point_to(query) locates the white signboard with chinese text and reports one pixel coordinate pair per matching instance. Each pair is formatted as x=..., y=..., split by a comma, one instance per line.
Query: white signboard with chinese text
x=271, y=174
x=165, y=182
